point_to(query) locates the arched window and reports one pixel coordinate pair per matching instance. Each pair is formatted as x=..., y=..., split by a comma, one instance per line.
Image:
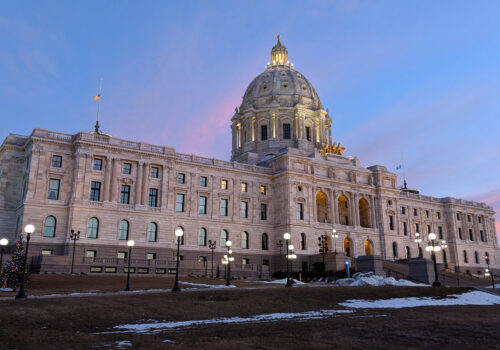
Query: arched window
x=368, y=247
x=476, y=257
x=408, y=253
x=303, y=245
x=244, y=240
x=123, y=230
x=181, y=237
x=224, y=236
x=466, y=260
x=93, y=228
x=152, y=232
x=348, y=247
x=343, y=205
x=265, y=242
x=202, y=237
x=394, y=249
x=321, y=207
x=364, y=213
x=49, y=229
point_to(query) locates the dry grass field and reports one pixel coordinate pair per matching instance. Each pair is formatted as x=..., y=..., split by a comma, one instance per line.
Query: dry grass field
x=88, y=322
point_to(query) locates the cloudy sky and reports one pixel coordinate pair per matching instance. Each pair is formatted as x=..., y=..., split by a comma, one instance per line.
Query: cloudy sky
x=418, y=77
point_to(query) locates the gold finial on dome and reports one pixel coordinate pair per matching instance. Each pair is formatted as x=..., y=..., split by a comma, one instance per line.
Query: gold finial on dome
x=279, y=54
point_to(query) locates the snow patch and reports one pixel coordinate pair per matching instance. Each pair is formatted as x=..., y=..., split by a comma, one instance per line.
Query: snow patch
x=360, y=279
x=282, y=281
x=206, y=285
x=123, y=343
x=6, y=290
x=469, y=298
x=162, y=326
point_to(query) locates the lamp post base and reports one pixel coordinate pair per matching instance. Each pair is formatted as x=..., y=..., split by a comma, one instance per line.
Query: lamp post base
x=436, y=284
x=21, y=295
x=176, y=288
x=289, y=283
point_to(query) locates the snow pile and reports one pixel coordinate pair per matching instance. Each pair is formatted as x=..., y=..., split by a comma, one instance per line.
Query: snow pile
x=123, y=343
x=469, y=298
x=360, y=279
x=6, y=290
x=282, y=281
x=162, y=326
x=206, y=285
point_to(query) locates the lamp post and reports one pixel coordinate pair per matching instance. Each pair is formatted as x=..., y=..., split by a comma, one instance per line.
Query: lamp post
x=287, y=237
x=29, y=229
x=212, y=246
x=3, y=243
x=280, y=245
x=229, y=259
x=334, y=238
x=178, y=233
x=433, y=247
x=418, y=239
x=292, y=257
x=488, y=272
x=130, y=244
x=74, y=237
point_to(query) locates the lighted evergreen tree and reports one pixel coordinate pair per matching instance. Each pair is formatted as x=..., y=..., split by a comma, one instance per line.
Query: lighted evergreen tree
x=12, y=275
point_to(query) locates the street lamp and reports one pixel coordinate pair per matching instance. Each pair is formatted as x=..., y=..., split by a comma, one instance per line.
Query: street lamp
x=179, y=232
x=418, y=239
x=287, y=237
x=433, y=247
x=334, y=237
x=29, y=229
x=130, y=244
x=3, y=243
x=212, y=246
x=280, y=245
x=229, y=259
x=487, y=272
x=292, y=257
x=74, y=237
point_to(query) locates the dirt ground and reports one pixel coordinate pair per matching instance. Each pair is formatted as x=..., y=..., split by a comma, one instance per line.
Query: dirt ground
x=83, y=322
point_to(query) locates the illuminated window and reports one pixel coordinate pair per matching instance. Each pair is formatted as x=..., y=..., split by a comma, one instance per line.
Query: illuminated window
x=262, y=189
x=244, y=187
x=223, y=184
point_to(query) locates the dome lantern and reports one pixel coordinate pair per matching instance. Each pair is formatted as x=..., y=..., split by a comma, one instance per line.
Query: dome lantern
x=279, y=54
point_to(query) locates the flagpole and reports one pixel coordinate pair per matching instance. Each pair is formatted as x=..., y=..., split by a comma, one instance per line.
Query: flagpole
x=98, y=106
x=404, y=169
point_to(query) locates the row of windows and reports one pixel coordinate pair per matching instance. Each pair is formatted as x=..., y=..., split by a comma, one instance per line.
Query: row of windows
x=181, y=179
x=426, y=212
x=287, y=132
x=471, y=235
x=469, y=218
x=476, y=257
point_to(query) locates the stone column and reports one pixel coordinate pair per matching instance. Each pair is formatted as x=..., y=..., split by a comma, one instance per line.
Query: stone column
x=335, y=207
x=138, y=184
x=164, y=186
x=296, y=126
x=145, y=183
x=107, y=179
x=114, y=176
x=373, y=221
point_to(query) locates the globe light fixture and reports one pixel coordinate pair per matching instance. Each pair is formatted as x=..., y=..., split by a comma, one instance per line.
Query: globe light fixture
x=286, y=236
x=29, y=228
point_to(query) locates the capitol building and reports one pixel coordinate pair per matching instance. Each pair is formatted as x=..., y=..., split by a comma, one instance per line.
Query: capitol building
x=286, y=174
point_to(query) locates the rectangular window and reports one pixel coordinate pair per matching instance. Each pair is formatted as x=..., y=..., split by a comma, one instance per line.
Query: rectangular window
x=263, y=211
x=97, y=164
x=458, y=216
x=417, y=228
x=125, y=194
x=415, y=212
x=403, y=210
x=262, y=189
x=460, y=233
x=223, y=184
x=405, y=228
x=308, y=133
x=151, y=256
x=245, y=261
x=153, y=197
x=91, y=253
x=427, y=214
x=438, y=215
x=265, y=262
x=54, y=189
x=244, y=209
x=223, y=207
x=286, y=132
x=481, y=233
x=127, y=168
x=428, y=229
x=468, y=218
x=57, y=161
x=471, y=236
x=391, y=222
x=47, y=252
x=300, y=211
x=155, y=172
x=181, y=178
x=95, y=191
x=440, y=232
x=122, y=255
x=202, y=259
x=479, y=219
x=202, y=208
x=244, y=187
x=203, y=181
x=263, y=132
x=179, y=202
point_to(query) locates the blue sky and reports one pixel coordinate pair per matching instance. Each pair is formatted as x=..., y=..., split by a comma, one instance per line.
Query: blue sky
x=419, y=77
